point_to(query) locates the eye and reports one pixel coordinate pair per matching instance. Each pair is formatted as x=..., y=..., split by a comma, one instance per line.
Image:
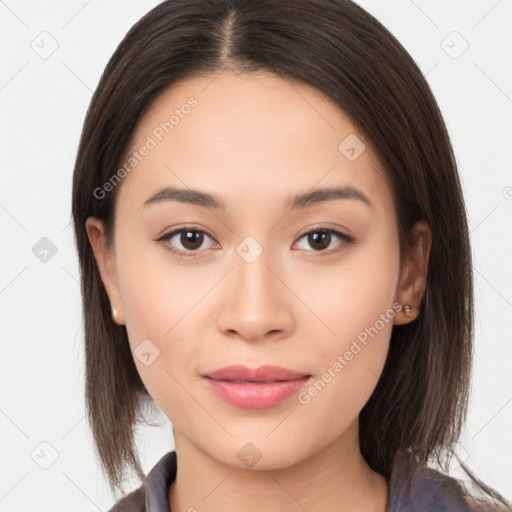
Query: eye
x=189, y=241
x=324, y=238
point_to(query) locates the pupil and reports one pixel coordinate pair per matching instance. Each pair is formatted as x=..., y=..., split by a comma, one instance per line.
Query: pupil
x=191, y=239
x=323, y=237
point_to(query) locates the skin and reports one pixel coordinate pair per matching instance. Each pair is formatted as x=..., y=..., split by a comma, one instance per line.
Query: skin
x=254, y=141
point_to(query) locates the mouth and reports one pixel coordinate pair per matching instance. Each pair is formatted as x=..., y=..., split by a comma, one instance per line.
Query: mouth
x=257, y=388
x=267, y=373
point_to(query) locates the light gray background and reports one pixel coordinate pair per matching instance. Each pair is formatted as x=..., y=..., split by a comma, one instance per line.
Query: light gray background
x=43, y=103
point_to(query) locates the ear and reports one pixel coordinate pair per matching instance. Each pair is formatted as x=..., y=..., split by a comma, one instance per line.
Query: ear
x=105, y=260
x=413, y=277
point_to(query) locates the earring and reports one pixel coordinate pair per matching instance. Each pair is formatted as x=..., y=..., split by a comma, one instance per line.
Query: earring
x=408, y=309
x=114, y=313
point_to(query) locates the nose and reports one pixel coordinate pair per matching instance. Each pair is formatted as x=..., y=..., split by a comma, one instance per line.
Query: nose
x=256, y=302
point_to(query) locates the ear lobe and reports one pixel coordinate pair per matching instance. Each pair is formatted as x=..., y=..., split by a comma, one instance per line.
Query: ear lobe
x=413, y=279
x=105, y=260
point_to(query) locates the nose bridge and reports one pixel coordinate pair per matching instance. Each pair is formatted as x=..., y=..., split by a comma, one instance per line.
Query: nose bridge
x=255, y=282
x=252, y=270
x=257, y=301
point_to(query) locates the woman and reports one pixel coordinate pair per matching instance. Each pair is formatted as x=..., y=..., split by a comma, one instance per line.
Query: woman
x=274, y=249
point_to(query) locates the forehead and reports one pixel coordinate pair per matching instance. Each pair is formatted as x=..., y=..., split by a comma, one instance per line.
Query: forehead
x=255, y=132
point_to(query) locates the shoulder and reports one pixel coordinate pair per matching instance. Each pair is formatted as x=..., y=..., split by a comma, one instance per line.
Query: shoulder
x=477, y=505
x=429, y=490
x=153, y=494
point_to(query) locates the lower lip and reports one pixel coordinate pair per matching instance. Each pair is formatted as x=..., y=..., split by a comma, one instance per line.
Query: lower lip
x=253, y=395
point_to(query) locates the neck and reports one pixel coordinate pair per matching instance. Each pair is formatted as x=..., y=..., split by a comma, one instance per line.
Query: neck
x=336, y=478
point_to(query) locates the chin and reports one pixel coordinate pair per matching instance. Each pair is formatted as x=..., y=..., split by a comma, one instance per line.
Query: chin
x=260, y=454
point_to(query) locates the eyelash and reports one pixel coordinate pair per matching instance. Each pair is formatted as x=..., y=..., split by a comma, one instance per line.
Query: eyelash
x=348, y=240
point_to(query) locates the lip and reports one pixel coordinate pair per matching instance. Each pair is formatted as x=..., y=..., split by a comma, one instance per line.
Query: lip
x=263, y=373
x=255, y=388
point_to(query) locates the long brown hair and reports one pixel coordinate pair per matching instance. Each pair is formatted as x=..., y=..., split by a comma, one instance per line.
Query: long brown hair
x=420, y=402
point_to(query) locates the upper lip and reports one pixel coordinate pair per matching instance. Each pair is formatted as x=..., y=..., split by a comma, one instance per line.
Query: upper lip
x=261, y=374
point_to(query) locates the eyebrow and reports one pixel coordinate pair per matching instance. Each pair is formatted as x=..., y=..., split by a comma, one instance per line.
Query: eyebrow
x=198, y=198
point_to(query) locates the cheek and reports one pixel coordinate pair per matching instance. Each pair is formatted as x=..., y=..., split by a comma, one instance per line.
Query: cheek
x=357, y=305
x=157, y=293
x=351, y=298
x=349, y=366
x=161, y=302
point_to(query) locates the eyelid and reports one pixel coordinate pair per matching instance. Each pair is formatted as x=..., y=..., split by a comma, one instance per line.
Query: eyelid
x=312, y=228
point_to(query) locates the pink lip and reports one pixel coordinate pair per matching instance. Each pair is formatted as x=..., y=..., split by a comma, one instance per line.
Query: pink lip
x=257, y=388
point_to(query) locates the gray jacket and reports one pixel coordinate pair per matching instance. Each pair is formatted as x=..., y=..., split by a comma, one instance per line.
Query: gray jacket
x=427, y=491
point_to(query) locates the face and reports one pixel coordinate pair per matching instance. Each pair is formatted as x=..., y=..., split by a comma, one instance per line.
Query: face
x=248, y=276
